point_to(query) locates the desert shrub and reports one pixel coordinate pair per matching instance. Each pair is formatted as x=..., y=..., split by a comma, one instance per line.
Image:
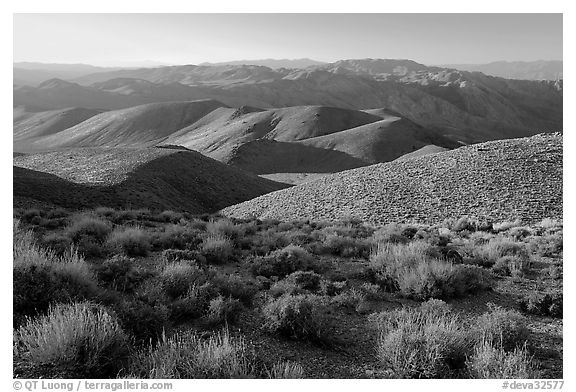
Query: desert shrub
x=293, y=316
x=194, y=303
x=486, y=255
x=176, y=278
x=286, y=370
x=394, y=256
x=425, y=342
x=169, y=216
x=131, y=241
x=417, y=273
x=81, y=339
x=182, y=254
x=144, y=321
x=441, y=280
x=186, y=356
x=519, y=233
x=547, y=245
x=511, y=265
x=549, y=223
x=347, y=298
x=177, y=237
x=88, y=225
x=57, y=213
x=105, y=211
x=554, y=271
x=121, y=273
x=32, y=215
x=543, y=304
x=306, y=280
x=224, y=227
x=285, y=287
x=506, y=225
x=217, y=249
x=40, y=277
x=479, y=238
x=224, y=310
x=268, y=241
x=235, y=286
x=502, y=327
x=131, y=216
x=282, y=262
x=390, y=233
x=489, y=361
x=331, y=288
x=57, y=242
x=346, y=246
x=370, y=292
x=299, y=282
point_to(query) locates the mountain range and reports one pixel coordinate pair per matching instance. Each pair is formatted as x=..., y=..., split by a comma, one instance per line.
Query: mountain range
x=465, y=106
x=528, y=70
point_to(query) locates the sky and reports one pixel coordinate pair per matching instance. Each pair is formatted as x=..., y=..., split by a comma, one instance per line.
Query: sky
x=147, y=39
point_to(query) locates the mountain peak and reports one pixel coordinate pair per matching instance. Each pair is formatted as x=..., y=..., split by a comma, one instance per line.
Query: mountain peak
x=56, y=83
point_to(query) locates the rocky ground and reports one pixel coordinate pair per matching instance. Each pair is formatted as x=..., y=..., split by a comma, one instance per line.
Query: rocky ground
x=500, y=180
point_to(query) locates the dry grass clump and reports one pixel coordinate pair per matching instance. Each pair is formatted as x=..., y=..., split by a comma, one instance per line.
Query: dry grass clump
x=224, y=227
x=176, y=278
x=88, y=225
x=176, y=236
x=224, y=310
x=131, y=241
x=433, y=342
x=416, y=271
x=80, y=339
x=543, y=304
x=217, y=249
x=505, y=328
x=286, y=370
x=489, y=253
x=489, y=361
x=40, y=277
x=283, y=262
x=506, y=225
x=426, y=342
x=185, y=355
x=294, y=316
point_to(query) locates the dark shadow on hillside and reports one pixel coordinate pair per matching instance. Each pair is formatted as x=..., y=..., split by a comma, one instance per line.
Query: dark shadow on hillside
x=265, y=156
x=180, y=181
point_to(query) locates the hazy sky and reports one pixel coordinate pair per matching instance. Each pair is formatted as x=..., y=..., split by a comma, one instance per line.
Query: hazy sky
x=123, y=39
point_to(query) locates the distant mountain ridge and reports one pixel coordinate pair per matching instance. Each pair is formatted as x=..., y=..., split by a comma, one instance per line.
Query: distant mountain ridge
x=465, y=107
x=526, y=70
x=272, y=63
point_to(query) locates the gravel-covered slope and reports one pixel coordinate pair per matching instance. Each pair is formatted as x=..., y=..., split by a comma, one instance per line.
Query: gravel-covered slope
x=506, y=179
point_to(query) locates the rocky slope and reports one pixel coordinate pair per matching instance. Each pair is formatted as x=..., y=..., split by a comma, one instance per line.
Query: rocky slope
x=501, y=180
x=155, y=178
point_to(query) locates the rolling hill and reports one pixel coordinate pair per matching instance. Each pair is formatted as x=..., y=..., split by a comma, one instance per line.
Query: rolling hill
x=500, y=180
x=155, y=178
x=29, y=126
x=381, y=141
x=220, y=134
x=465, y=106
x=139, y=126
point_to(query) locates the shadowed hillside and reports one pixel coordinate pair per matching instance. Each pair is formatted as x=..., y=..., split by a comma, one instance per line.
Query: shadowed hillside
x=499, y=180
x=381, y=141
x=156, y=178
